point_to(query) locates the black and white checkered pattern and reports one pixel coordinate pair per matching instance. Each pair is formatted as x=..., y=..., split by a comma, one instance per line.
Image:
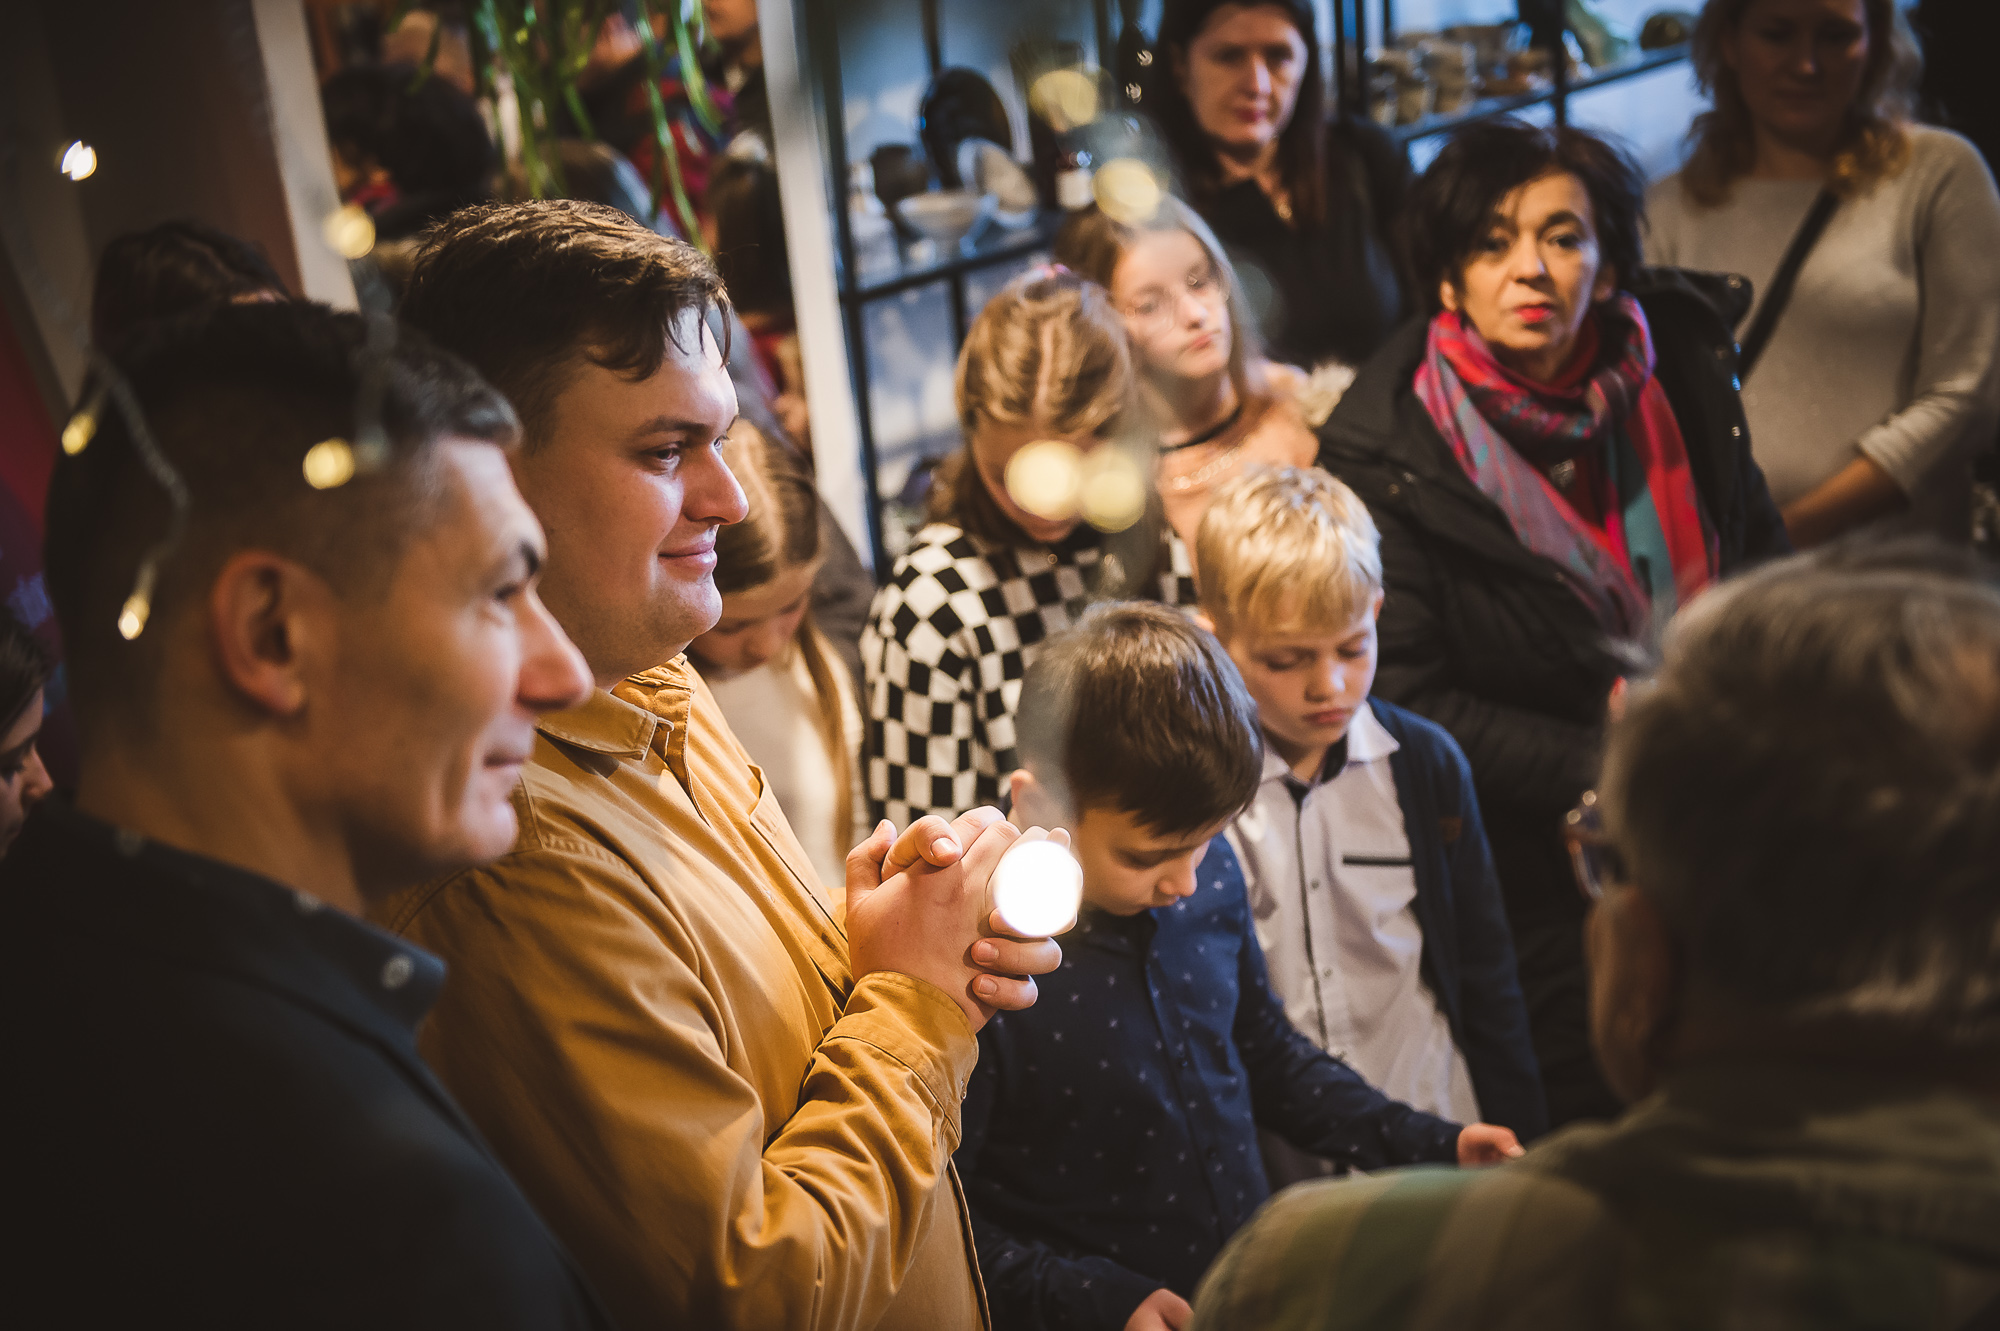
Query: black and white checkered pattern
x=947, y=642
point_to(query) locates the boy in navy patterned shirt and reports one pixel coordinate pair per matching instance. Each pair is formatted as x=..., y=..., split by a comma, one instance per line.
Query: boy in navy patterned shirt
x=1110, y=1143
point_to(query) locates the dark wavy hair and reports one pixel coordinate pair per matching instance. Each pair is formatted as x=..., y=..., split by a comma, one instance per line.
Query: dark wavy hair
x=1301, y=144
x=427, y=135
x=528, y=291
x=25, y=666
x=1452, y=204
x=1875, y=143
x=174, y=268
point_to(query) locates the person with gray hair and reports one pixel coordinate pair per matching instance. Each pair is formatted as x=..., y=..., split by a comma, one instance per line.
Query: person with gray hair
x=1794, y=856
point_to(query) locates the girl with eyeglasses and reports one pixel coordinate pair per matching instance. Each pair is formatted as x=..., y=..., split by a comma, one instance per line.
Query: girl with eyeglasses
x=1218, y=405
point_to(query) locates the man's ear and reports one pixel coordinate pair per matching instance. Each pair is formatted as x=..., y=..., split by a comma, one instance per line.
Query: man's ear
x=1636, y=979
x=266, y=616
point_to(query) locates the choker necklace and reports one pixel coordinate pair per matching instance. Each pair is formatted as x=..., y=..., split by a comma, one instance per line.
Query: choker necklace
x=1221, y=427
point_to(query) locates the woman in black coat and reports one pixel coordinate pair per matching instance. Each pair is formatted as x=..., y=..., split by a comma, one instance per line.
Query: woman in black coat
x=1557, y=459
x=1303, y=207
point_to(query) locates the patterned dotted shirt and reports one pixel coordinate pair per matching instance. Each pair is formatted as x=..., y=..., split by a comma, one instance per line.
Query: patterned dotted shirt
x=947, y=642
x=1110, y=1131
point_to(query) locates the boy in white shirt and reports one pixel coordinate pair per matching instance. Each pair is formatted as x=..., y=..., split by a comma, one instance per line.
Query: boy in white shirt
x=1368, y=870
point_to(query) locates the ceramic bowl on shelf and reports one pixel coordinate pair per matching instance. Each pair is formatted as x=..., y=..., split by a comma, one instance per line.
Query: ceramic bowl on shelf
x=986, y=167
x=947, y=217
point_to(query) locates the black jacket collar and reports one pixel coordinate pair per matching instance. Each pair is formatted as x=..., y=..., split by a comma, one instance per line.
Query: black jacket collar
x=71, y=874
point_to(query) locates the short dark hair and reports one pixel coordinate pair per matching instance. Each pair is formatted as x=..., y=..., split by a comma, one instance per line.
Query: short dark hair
x=174, y=268
x=25, y=666
x=234, y=398
x=1809, y=791
x=1301, y=143
x=1139, y=710
x=425, y=133
x=1452, y=203
x=528, y=291
x=750, y=247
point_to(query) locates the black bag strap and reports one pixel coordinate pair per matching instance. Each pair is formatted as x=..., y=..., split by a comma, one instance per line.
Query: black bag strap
x=1780, y=293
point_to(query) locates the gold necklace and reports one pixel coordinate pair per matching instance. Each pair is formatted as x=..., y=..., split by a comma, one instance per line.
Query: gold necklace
x=1182, y=484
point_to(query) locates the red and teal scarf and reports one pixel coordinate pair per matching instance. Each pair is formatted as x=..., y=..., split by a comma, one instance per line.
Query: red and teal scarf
x=1626, y=529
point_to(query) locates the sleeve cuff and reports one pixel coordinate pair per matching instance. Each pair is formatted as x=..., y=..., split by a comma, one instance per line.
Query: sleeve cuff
x=1892, y=454
x=920, y=1026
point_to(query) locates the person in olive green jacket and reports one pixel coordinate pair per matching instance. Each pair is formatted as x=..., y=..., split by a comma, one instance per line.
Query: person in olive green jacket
x=735, y=1103
x=1795, y=857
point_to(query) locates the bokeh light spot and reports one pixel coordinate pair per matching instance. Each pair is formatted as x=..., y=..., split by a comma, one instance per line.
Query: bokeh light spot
x=350, y=231
x=132, y=619
x=1066, y=98
x=82, y=428
x=79, y=161
x=1044, y=477
x=329, y=464
x=1127, y=191
x=1111, y=490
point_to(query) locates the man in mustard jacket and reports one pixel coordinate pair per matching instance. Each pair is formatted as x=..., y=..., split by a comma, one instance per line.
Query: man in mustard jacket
x=735, y=1104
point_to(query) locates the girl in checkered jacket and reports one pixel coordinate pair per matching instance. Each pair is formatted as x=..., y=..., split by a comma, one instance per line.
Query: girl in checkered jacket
x=968, y=605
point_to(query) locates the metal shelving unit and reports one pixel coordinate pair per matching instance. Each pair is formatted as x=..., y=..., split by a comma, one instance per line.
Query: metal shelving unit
x=1545, y=17
x=1350, y=38
x=856, y=293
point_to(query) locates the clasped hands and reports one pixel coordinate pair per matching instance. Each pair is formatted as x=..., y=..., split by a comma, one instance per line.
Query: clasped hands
x=916, y=904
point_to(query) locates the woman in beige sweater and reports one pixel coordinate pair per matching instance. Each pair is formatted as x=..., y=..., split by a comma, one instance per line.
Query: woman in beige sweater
x=1881, y=380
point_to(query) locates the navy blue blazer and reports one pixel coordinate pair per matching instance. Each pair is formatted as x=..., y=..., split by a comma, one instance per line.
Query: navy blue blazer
x=1468, y=958
x=1110, y=1131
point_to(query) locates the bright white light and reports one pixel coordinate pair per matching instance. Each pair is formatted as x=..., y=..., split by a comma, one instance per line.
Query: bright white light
x=132, y=619
x=1036, y=888
x=79, y=160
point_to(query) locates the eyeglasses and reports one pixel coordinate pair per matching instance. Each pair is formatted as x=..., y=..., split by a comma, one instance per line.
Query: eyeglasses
x=1596, y=861
x=1157, y=308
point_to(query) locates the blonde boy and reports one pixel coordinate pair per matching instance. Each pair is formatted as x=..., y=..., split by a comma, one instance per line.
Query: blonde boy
x=1367, y=866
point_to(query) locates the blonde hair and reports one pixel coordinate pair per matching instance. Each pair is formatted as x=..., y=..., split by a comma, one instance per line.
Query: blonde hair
x=781, y=532
x=1049, y=351
x=1875, y=143
x=1093, y=243
x=1284, y=548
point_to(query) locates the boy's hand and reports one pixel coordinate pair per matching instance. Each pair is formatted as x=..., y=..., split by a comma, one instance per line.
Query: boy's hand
x=1163, y=1310
x=1487, y=1144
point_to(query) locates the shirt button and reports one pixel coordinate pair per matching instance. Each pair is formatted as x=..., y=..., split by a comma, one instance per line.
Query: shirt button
x=396, y=971
x=129, y=843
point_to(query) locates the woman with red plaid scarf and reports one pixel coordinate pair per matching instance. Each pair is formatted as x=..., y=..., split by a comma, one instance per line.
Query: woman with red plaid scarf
x=1557, y=459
